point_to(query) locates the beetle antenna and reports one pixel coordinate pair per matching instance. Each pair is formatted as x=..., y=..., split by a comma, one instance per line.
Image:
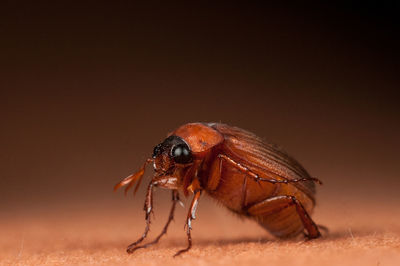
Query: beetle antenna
x=131, y=179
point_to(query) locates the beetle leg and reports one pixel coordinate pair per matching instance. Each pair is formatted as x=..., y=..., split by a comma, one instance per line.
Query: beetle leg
x=244, y=192
x=148, y=208
x=257, y=178
x=191, y=216
x=190, y=175
x=215, y=175
x=278, y=203
x=175, y=199
x=323, y=228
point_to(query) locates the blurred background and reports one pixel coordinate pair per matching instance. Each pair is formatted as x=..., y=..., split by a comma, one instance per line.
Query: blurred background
x=87, y=90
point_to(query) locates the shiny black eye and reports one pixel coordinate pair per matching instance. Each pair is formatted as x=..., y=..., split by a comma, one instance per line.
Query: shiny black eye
x=181, y=154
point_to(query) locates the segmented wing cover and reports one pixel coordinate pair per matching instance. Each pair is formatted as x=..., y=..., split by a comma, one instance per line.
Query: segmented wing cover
x=263, y=158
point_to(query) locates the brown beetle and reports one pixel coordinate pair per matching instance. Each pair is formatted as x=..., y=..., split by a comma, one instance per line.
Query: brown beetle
x=246, y=174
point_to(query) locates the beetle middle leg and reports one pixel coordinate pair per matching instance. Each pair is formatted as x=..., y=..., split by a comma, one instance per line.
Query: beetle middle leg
x=191, y=216
x=278, y=203
x=257, y=178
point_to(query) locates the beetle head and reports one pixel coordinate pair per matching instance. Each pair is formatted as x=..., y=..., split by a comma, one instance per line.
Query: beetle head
x=173, y=151
x=170, y=158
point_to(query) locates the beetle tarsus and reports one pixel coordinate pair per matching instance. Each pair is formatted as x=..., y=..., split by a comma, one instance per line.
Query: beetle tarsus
x=184, y=250
x=189, y=235
x=133, y=247
x=148, y=207
x=323, y=228
x=188, y=226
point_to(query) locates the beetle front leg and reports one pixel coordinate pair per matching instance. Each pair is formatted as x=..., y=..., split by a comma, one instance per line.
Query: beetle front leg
x=148, y=208
x=175, y=199
x=191, y=216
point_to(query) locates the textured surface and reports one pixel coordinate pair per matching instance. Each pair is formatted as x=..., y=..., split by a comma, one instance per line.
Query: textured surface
x=87, y=235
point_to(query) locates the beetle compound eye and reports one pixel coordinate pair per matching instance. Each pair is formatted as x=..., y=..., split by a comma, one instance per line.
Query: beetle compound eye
x=181, y=154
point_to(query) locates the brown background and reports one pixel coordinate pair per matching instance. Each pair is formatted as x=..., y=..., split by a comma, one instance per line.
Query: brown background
x=87, y=91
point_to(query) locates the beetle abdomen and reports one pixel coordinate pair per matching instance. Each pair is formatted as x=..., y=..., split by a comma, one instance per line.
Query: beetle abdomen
x=279, y=222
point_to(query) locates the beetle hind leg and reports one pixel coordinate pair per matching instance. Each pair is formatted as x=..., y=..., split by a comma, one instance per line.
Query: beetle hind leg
x=276, y=204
